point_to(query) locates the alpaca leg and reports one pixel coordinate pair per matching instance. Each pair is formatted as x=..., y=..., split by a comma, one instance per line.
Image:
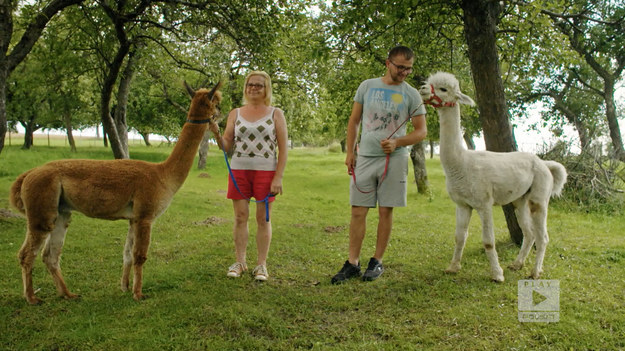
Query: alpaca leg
x=463, y=216
x=28, y=252
x=488, y=239
x=525, y=222
x=127, y=257
x=542, y=238
x=52, y=254
x=140, y=255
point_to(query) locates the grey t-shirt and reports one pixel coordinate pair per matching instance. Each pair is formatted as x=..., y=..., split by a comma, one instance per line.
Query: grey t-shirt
x=384, y=108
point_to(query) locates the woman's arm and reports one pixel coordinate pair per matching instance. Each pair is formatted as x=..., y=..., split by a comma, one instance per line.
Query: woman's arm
x=282, y=138
x=225, y=142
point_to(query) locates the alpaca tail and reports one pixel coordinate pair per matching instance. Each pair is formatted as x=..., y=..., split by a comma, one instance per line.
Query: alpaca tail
x=559, y=176
x=15, y=194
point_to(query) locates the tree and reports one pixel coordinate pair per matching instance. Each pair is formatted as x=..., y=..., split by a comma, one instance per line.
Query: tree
x=595, y=30
x=38, y=20
x=481, y=18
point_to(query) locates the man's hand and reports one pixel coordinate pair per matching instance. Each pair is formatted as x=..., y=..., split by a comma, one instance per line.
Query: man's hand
x=350, y=162
x=388, y=145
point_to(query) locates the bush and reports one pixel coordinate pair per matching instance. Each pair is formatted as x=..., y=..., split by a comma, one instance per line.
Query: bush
x=595, y=182
x=335, y=147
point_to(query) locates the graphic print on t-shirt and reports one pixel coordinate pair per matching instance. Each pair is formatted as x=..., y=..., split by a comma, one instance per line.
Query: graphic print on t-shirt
x=384, y=109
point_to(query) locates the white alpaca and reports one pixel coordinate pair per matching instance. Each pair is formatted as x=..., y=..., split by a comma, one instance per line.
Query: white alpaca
x=480, y=179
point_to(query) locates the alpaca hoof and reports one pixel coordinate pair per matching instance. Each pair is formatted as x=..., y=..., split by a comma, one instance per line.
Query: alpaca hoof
x=535, y=275
x=33, y=300
x=139, y=297
x=70, y=296
x=498, y=277
x=453, y=269
x=514, y=266
x=498, y=280
x=125, y=287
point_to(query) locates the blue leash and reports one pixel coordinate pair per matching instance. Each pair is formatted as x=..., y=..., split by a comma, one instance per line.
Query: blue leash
x=265, y=200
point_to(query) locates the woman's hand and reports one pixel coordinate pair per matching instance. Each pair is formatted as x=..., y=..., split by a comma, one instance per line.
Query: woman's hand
x=276, y=186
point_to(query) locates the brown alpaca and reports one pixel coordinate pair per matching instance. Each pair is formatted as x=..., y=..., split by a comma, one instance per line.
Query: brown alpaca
x=117, y=189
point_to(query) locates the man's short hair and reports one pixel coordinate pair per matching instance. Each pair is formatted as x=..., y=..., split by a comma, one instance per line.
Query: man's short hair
x=401, y=50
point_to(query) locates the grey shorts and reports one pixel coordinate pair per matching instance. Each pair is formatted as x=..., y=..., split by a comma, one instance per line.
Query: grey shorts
x=392, y=192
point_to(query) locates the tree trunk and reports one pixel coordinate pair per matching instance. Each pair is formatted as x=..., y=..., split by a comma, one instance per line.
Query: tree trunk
x=480, y=26
x=469, y=141
x=432, y=148
x=417, y=155
x=573, y=118
x=3, y=100
x=203, y=150
x=122, y=101
x=67, y=119
x=146, y=138
x=108, y=122
x=29, y=129
x=610, y=113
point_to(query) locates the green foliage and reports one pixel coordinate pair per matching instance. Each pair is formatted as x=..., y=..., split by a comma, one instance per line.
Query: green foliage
x=595, y=183
x=192, y=305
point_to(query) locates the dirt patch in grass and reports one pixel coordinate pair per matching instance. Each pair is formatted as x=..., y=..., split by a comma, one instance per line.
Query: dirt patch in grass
x=212, y=220
x=334, y=228
x=5, y=213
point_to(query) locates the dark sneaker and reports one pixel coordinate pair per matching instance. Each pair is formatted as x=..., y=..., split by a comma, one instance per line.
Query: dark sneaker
x=348, y=271
x=374, y=270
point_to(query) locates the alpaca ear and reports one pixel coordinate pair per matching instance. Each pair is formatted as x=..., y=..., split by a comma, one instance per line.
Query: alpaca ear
x=211, y=94
x=189, y=89
x=464, y=99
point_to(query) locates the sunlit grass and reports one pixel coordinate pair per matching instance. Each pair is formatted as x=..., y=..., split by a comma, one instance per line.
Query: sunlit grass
x=414, y=306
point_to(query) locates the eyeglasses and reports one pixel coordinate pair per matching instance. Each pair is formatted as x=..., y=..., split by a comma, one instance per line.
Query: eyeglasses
x=255, y=86
x=401, y=69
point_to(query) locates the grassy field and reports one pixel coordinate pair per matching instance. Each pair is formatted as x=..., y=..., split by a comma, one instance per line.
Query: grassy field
x=192, y=305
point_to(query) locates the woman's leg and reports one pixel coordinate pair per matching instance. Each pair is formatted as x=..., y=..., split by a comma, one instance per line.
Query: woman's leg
x=263, y=236
x=240, y=231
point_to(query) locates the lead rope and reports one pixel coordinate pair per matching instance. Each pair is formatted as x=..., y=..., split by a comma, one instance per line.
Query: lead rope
x=234, y=182
x=388, y=157
x=265, y=200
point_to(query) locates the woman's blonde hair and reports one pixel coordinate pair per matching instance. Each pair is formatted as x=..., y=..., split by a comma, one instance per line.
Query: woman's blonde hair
x=263, y=74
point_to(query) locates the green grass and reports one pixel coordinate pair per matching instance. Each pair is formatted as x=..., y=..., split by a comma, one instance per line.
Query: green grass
x=414, y=306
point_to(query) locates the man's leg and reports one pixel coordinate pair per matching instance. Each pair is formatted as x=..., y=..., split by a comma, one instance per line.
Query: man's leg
x=385, y=224
x=357, y=230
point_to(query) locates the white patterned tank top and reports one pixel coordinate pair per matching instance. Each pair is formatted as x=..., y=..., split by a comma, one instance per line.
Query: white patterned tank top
x=255, y=144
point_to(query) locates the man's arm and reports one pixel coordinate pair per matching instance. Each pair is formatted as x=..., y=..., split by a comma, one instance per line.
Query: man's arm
x=352, y=133
x=417, y=135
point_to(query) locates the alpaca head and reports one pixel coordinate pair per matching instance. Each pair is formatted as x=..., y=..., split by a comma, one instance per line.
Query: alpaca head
x=204, y=103
x=443, y=90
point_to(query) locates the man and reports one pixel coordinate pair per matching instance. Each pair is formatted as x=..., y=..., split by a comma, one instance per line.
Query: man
x=380, y=169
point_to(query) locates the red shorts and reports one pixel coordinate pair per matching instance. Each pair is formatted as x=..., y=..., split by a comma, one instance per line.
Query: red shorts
x=256, y=184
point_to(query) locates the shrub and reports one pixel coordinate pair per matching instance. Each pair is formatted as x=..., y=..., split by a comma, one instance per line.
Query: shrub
x=595, y=182
x=335, y=147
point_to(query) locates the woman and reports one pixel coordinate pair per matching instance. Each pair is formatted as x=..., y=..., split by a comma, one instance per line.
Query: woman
x=257, y=135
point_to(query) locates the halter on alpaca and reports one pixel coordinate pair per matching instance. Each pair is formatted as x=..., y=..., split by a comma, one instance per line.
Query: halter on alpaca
x=439, y=101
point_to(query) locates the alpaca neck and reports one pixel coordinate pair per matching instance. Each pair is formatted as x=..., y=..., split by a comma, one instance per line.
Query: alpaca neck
x=451, y=150
x=179, y=162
